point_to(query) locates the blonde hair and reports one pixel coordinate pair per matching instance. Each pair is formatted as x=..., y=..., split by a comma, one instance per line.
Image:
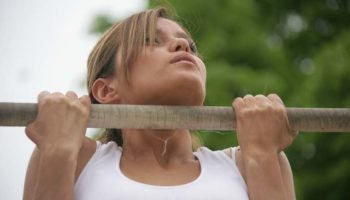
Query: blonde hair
x=127, y=39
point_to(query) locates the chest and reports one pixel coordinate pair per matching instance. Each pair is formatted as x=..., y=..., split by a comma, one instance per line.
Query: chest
x=155, y=174
x=214, y=177
x=103, y=184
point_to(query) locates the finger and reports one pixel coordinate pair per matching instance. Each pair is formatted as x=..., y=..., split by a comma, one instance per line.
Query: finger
x=248, y=99
x=238, y=103
x=262, y=100
x=237, y=106
x=31, y=134
x=57, y=94
x=85, y=100
x=72, y=95
x=275, y=98
x=42, y=94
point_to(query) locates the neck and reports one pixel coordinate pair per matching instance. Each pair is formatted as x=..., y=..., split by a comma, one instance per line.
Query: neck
x=163, y=146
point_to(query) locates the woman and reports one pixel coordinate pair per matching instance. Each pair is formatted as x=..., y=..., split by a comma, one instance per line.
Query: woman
x=149, y=58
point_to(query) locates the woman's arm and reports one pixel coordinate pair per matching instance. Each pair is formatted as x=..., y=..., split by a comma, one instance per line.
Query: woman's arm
x=267, y=176
x=286, y=171
x=50, y=175
x=287, y=175
x=263, y=132
x=33, y=171
x=31, y=176
x=58, y=132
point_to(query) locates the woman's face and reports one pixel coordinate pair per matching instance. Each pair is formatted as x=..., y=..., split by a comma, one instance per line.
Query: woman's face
x=170, y=73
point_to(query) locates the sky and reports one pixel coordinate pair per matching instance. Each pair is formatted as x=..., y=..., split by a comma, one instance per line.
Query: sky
x=44, y=45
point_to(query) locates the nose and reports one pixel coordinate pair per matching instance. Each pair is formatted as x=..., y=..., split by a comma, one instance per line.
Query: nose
x=180, y=44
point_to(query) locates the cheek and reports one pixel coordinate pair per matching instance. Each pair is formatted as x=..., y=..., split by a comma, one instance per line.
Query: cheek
x=145, y=68
x=140, y=66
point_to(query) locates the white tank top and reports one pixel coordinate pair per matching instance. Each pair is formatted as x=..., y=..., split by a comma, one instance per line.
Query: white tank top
x=102, y=179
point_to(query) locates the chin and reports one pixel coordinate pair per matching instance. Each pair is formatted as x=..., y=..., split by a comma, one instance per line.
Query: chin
x=183, y=99
x=189, y=93
x=187, y=89
x=190, y=99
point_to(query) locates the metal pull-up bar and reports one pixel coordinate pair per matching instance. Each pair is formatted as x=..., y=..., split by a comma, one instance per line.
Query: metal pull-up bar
x=187, y=117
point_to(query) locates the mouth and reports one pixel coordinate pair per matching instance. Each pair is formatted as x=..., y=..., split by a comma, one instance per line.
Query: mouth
x=184, y=57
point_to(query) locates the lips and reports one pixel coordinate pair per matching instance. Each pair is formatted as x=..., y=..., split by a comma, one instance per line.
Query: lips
x=183, y=57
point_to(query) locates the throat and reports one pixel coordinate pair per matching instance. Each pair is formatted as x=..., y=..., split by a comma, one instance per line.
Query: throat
x=165, y=145
x=160, y=145
x=166, y=174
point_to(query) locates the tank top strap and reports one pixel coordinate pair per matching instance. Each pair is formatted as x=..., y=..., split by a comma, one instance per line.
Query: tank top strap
x=218, y=163
x=214, y=157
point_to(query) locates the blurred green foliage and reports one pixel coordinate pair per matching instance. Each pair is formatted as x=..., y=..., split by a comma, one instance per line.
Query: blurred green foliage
x=297, y=49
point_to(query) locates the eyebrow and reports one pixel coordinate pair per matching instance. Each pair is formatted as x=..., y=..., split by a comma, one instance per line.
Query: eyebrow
x=178, y=34
x=183, y=35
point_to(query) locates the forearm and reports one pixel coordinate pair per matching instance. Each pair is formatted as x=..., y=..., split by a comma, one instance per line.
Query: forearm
x=56, y=174
x=263, y=175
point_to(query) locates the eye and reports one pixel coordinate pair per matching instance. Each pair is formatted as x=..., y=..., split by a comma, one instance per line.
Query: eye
x=157, y=41
x=148, y=41
x=193, y=46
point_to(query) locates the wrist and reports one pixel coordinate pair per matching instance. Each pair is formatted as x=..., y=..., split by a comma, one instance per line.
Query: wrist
x=65, y=152
x=259, y=153
x=263, y=160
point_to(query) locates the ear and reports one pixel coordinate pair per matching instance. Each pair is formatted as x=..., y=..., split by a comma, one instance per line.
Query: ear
x=105, y=91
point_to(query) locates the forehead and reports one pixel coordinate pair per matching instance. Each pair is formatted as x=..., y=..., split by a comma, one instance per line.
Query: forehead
x=170, y=26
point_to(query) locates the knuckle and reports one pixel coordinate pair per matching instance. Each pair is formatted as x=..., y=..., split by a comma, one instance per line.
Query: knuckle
x=247, y=112
x=77, y=106
x=84, y=112
x=70, y=92
x=267, y=107
x=46, y=100
x=236, y=100
x=260, y=96
x=273, y=95
x=85, y=100
x=72, y=105
x=64, y=101
x=47, y=97
x=43, y=93
x=280, y=109
x=54, y=101
x=248, y=96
